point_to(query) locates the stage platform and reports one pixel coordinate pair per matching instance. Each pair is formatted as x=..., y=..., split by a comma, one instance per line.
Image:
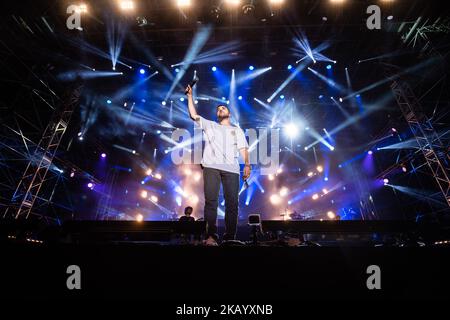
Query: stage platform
x=219, y=274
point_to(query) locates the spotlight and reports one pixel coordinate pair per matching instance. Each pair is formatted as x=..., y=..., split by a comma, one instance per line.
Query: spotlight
x=331, y=215
x=404, y=169
x=284, y=191
x=144, y=194
x=332, y=148
x=126, y=5
x=194, y=199
x=142, y=71
x=139, y=217
x=233, y=2
x=81, y=138
x=90, y=185
x=163, y=103
x=289, y=67
x=329, y=67
x=181, y=99
x=385, y=181
x=154, y=198
x=325, y=179
x=177, y=70
x=148, y=172
x=184, y=3
x=370, y=152
x=158, y=176
x=310, y=174
x=319, y=168
x=103, y=155
x=275, y=199
x=271, y=177
x=240, y=98
x=358, y=95
x=315, y=196
x=325, y=191
x=82, y=8
x=187, y=171
x=108, y=101
x=214, y=69
x=282, y=97
x=321, y=96
x=248, y=8
x=279, y=170
x=276, y=2
x=340, y=100
x=251, y=68
x=291, y=130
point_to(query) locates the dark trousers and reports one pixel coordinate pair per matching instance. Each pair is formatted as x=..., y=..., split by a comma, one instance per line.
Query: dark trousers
x=230, y=182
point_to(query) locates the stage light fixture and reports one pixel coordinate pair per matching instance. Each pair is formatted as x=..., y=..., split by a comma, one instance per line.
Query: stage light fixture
x=214, y=69
x=163, y=103
x=329, y=67
x=291, y=130
x=126, y=5
x=331, y=215
x=315, y=196
x=289, y=67
x=370, y=152
x=184, y=3
x=139, y=217
x=158, y=176
x=240, y=98
x=276, y=2
x=310, y=174
x=284, y=191
x=142, y=71
x=82, y=8
x=319, y=169
x=279, y=170
x=385, y=181
x=233, y=3
x=90, y=185
x=103, y=155
x=271, y=177
x=148, y=172
x=144, y=194
x=154, y=198
x=251, y=68
x=108, y=101
x=275, y=199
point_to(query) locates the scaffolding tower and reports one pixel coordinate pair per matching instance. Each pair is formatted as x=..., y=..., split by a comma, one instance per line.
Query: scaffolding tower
x=29, y=186
x=428, y=140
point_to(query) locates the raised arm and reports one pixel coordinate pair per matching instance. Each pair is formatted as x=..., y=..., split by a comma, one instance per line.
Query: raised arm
x=191, y=106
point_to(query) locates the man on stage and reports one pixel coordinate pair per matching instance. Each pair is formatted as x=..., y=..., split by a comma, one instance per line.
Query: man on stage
x=223, y=143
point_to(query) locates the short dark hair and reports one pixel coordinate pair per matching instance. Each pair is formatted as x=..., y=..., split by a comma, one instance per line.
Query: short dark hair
x=188, y=211
x=222, y=105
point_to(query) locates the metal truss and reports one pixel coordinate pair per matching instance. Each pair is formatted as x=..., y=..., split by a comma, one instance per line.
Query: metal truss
x=420, y=32
x=428, y=140
x=29, y=186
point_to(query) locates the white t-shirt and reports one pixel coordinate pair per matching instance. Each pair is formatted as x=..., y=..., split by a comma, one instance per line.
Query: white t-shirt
x=222, y=145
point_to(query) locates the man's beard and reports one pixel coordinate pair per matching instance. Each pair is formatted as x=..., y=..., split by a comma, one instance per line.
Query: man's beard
x=221, y=118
